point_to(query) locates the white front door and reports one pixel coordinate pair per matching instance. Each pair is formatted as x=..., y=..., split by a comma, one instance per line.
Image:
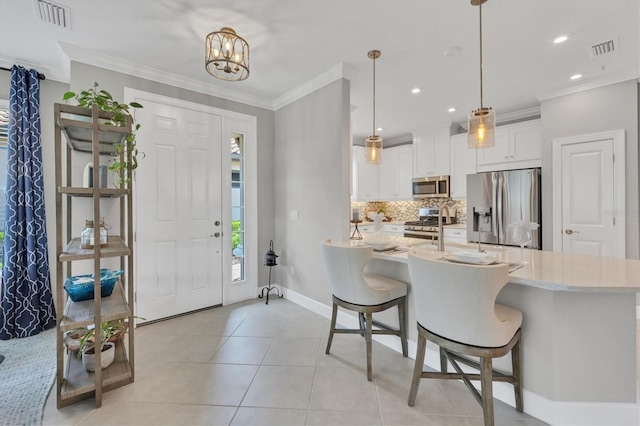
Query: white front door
x=179, y=210
x=589, y=194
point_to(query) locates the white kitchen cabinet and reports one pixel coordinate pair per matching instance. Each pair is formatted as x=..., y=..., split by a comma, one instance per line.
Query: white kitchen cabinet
x=393, y=229
x=518, y=146
x=431, y=152
x=396, y=230
x=396, y=173
x=463, y=162
x=454, y=235
x=365, y=177
x=366, y=229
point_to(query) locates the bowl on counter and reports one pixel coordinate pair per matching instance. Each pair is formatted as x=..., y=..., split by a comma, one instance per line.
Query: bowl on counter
x=379, y=242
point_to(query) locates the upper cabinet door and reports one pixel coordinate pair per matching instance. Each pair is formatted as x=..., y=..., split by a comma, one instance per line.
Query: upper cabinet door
x=431, y=156
x=463, y=162
x=518, y=146
x=405, y=172
x=365, y=177
x=526, y=142
x=396, y=173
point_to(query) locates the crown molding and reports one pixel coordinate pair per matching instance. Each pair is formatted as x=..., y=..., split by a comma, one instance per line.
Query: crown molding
x=55, y=74
x=511, y=117
x=342, y=70
x=523, y=114
x=435, y=126
x=626, y=75
x=79, y=54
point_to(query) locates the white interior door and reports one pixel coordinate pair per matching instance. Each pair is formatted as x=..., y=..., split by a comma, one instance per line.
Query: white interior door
x=588, y=198
x=179, y=210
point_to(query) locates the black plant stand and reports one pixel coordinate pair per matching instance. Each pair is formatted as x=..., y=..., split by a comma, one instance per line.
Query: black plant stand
x=356, y=235
x=269, y=288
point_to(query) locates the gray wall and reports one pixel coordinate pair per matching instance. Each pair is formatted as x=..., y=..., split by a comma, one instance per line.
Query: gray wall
x=50, y=92
x=83, y=76
x=312, y=176
x=601, y=109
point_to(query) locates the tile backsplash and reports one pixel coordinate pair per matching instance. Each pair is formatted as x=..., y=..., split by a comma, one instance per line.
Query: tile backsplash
x=404, y=211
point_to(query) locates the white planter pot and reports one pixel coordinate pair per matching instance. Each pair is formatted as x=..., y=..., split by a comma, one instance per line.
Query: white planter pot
x=108, y=353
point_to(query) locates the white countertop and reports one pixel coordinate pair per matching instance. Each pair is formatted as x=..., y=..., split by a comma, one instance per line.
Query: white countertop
x=370, y=222
x=545, y=269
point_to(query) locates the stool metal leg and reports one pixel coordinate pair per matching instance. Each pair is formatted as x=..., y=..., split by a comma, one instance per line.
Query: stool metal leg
x=417, y=369
x=368, y=340
x=486, y=380
x=443, y=360
x=402, y=321
x=517, y=384
x=334, y=314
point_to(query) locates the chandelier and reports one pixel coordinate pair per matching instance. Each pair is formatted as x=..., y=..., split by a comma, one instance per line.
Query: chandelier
x=226, y=55
x=373, y=144
x=482, y=121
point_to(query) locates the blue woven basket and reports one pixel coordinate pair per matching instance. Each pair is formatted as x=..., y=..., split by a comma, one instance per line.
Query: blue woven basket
x=80, y=287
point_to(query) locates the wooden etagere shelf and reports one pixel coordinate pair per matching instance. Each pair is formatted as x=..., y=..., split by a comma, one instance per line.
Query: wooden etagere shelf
x=88, y=192
x=79, y=384
x=84, y=130
x=115, y=247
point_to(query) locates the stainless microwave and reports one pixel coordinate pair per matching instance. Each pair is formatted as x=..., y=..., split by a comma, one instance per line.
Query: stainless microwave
x=431, y=187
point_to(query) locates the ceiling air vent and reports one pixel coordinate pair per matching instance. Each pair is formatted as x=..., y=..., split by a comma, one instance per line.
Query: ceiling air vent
x=53, y=13
x=605, y=48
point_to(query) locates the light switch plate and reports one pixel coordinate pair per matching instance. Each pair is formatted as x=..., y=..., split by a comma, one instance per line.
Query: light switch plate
x=294, y=215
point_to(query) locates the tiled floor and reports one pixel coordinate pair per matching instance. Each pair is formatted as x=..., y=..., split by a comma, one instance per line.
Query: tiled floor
x=252, y=364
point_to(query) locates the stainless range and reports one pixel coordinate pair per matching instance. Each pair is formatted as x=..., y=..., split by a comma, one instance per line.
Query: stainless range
x=427, y=227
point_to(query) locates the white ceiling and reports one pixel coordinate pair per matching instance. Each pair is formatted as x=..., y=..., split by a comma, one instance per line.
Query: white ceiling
x=296, y=42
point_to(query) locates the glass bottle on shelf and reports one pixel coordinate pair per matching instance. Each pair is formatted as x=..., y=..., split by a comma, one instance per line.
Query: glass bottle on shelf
x=86, y=238
x=103, y=233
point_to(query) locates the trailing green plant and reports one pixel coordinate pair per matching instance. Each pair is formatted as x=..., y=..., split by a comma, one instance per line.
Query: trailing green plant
x=105, y=102
x=88, y=339
x=108, y=330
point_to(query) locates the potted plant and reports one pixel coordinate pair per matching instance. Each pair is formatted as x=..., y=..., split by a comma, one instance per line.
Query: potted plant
x=109, y=331
x=105, y=102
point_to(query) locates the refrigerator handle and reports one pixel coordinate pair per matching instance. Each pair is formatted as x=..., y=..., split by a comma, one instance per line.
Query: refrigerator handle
x=494, y=203
x=500, y=210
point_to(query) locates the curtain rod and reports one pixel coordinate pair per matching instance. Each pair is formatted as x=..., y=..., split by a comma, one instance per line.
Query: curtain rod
x=40, y=75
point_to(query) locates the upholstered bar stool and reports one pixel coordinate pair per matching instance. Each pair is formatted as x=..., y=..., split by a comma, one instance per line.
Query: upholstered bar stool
x=456, y=309
x=365, y=293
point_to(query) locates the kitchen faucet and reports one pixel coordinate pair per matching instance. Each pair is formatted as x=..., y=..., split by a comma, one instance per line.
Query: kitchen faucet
x=440, y=226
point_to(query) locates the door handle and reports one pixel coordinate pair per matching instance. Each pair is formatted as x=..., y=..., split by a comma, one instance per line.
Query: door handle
x=216, y=234
x=571, y=231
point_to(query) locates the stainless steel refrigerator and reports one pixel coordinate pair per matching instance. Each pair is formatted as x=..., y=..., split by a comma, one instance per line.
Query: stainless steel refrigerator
x=497, y=199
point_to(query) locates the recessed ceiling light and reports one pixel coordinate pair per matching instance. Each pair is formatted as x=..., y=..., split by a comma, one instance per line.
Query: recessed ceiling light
x=560, y=39
x=452, y=109
x=415, y=90
x=576, y=76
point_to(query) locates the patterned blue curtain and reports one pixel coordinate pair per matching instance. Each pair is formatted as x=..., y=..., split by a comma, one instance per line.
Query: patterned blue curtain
x=27, y=302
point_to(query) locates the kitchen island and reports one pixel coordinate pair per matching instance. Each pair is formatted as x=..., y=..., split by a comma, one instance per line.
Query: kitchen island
x=579, y=331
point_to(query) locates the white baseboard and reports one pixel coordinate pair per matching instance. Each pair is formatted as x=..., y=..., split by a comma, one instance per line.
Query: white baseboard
x=551, y=412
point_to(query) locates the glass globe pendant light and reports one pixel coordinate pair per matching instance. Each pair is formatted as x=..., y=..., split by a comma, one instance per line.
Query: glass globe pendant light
x=482, y=121
x=373, y=144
